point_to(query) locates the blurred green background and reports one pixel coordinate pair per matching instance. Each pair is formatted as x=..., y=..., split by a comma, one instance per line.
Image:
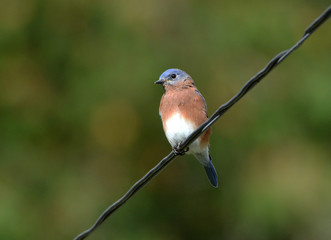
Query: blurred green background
x=79, y=119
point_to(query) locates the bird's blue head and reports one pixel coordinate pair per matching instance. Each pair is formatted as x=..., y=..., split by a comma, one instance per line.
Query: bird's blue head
x=172, y=76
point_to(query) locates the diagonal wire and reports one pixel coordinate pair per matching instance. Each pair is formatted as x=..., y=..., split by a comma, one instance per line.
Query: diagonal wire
x=203, y=127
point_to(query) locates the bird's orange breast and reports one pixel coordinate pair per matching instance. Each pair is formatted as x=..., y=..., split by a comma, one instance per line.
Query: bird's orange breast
x=187, y=102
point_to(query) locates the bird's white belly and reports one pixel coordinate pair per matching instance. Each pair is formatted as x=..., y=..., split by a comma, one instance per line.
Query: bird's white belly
x=178, y=129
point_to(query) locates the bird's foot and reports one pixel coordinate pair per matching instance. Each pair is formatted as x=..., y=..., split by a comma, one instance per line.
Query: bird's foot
x=178, y=152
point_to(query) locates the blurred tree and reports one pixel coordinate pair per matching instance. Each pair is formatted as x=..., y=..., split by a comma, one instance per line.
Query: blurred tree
x=79, y=119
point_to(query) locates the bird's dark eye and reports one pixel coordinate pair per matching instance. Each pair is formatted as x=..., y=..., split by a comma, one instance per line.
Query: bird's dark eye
x=173, y=75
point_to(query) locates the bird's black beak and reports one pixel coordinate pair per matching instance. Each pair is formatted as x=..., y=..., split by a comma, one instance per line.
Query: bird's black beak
x=160, y=81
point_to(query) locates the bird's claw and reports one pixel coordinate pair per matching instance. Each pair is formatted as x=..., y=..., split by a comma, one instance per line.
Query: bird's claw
x=178, y=152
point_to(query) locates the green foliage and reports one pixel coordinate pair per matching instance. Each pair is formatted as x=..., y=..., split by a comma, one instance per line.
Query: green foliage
x=79, y=119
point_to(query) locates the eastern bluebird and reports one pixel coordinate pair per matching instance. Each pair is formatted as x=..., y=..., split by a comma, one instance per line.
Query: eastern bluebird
x=182, y=110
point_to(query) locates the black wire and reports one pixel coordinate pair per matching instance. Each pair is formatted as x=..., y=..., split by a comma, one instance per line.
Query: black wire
x=203, y=127
x=135, y=188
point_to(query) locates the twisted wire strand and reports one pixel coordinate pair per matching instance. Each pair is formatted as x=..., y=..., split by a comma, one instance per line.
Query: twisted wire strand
x=203, y=127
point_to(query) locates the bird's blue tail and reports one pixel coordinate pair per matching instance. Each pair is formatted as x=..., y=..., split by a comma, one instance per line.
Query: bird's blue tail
x=211, y=173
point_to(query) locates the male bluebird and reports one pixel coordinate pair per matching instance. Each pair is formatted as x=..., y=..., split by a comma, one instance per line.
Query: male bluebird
x=182, y=110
